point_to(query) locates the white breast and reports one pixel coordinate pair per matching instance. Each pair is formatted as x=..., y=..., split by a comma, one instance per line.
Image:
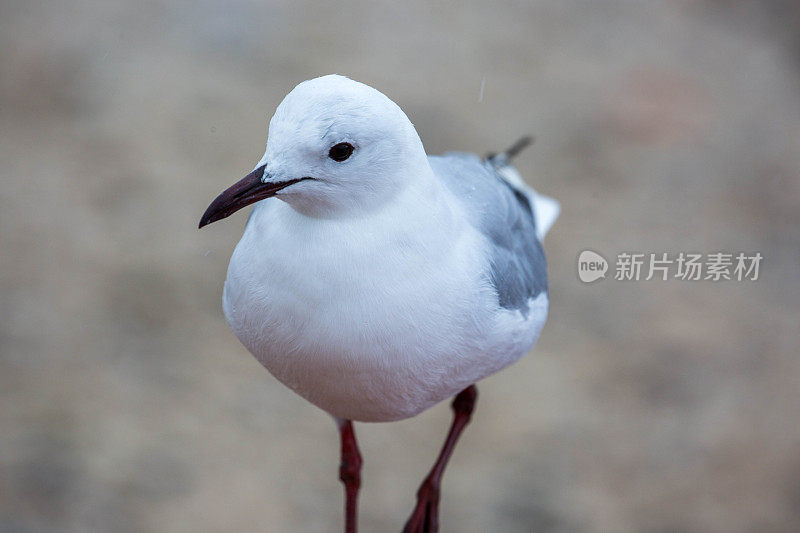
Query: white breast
x=376, y=319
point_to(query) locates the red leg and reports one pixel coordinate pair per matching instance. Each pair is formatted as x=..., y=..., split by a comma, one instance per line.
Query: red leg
x=350, y=475
x=425, y=518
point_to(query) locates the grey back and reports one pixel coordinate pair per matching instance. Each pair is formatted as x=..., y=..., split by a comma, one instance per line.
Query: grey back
x=505, y=215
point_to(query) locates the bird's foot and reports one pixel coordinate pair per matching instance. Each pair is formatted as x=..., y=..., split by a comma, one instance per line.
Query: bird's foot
x=425, y=518
x=350, y=475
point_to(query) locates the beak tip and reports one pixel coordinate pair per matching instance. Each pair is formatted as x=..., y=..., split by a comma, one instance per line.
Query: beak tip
x=216, y=211
x=205, y=220
x=246, y=191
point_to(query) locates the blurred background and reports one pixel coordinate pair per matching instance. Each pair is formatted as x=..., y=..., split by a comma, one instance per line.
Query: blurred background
x=126, y=404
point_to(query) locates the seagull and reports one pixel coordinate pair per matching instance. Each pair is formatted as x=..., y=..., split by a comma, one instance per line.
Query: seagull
x=385, y=280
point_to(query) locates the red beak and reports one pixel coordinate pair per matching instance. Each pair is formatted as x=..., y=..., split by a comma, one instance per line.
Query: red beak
x=248, y=190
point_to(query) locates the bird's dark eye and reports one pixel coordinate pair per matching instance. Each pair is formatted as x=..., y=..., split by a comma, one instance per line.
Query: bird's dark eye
x=341, y=151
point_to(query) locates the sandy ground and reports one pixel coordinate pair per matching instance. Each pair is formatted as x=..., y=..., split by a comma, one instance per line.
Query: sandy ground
x=127, y=405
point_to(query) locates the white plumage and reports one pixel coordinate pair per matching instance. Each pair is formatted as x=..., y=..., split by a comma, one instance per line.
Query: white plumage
x=369, y=289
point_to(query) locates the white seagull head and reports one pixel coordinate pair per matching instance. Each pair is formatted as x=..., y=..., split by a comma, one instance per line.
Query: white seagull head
x=336, y=148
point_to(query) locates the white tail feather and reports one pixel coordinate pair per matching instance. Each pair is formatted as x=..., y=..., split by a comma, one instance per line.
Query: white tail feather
x=545, y=209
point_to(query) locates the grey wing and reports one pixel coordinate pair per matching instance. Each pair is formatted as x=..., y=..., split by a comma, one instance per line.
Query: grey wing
x=505, y=215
